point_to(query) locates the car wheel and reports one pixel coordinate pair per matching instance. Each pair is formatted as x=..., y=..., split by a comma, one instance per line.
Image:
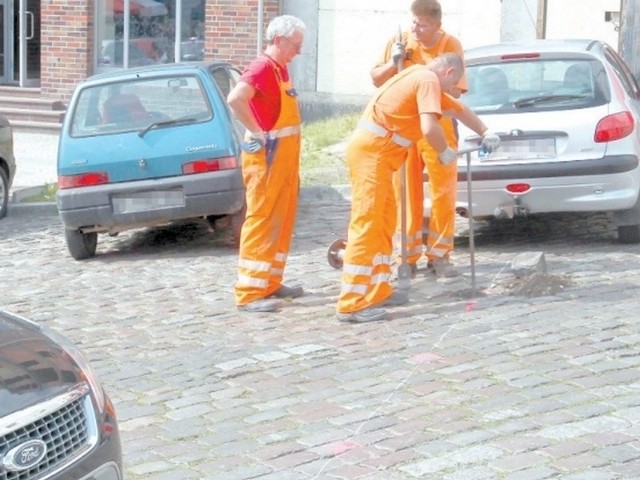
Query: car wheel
x=232, y=224
x=4, y=193
x=629, y=233
x=81, y=245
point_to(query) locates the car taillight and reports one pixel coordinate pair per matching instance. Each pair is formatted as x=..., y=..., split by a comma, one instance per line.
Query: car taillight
x=83, y=180
x=614, y=127
x=518, y=187
x=209, y=165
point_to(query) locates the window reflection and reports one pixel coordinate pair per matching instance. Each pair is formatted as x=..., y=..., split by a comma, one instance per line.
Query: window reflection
x=150, y=31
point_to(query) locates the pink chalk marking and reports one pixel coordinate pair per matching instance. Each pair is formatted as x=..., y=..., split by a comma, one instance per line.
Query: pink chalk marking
x=426, y=357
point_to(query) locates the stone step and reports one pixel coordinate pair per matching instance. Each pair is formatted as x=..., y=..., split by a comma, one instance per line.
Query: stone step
x=26, y=109
x=35, y=126
x=30, y=103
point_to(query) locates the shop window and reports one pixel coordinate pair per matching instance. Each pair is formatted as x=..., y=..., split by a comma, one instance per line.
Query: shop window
x=152, y=31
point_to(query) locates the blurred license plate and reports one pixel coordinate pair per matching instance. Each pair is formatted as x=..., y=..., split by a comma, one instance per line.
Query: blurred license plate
x=142, y=201
x=521, y=149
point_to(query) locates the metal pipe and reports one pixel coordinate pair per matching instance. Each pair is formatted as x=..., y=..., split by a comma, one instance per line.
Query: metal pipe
x=259, y=43
x=177, y=55
x=126, y=14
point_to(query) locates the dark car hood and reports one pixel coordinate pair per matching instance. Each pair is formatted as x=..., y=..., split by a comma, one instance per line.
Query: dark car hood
x=32, y=366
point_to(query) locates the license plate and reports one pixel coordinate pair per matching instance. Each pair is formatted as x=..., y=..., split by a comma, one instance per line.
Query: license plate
x=525, y=149
x=143, y=201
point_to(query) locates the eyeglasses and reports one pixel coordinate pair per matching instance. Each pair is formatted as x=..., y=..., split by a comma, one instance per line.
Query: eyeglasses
x=296, y=46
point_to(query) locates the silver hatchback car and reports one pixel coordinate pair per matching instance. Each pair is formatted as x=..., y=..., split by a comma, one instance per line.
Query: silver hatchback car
x=567, y=112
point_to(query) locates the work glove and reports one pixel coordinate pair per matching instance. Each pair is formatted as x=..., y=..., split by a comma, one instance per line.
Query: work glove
x=253, y=142
x=447, y=156
x=398, y=53
x=490, y=141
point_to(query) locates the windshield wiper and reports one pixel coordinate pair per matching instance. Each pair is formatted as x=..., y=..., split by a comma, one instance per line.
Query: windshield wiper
x=166, y=123
x=528, y=101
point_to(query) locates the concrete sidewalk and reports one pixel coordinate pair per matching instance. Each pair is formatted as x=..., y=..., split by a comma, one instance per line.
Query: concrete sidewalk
x=36, y=155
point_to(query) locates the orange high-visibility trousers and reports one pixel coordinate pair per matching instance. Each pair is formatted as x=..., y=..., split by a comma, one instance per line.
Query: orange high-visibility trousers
x=366, y=271
x=442, y=189
x=272, y=200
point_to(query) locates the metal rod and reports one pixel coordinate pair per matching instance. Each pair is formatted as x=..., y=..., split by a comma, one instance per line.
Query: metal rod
x=404, y=271
x=471, y=233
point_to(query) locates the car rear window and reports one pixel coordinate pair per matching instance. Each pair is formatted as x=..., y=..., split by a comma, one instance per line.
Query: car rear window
x=536, y=85
x=135, y=104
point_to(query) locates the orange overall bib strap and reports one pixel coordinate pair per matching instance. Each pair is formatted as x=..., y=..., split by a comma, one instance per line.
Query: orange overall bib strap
x=271, y=180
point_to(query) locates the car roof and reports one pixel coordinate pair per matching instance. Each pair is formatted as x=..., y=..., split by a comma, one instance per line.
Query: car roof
x=168, y=68
x=544, y=47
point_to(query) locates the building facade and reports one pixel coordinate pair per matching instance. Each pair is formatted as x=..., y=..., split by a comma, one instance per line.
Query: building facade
x=54, y=44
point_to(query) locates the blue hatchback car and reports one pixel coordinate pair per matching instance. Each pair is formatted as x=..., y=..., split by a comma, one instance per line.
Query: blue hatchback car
x=148, y=146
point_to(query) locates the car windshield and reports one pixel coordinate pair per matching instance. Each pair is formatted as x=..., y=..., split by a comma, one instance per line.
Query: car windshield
x=136, y=104
x=536, y=85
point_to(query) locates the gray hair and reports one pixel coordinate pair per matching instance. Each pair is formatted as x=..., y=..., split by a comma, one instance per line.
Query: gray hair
x=284, y=26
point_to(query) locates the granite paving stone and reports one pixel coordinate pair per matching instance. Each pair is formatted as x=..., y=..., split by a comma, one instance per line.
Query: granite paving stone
x=496, y=385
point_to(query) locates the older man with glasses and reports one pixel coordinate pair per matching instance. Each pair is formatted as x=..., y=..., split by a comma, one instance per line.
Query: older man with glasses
x=264, y=101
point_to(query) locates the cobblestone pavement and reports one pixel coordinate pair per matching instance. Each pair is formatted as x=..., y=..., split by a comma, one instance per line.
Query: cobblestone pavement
x=508, y=383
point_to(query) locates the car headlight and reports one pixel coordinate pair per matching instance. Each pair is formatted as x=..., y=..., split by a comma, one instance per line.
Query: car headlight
x=83, y=364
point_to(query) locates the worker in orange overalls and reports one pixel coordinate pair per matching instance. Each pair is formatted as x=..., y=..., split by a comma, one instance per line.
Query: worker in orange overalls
x=264, y=101
x=425, y=41
x=402, y=111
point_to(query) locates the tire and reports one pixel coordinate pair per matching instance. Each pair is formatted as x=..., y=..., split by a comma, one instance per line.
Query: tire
x=81, y=245
x=4, y=193
x=629, y=233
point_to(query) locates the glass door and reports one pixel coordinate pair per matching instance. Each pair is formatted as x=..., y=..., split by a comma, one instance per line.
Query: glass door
x=26, y=24
x=6, y=36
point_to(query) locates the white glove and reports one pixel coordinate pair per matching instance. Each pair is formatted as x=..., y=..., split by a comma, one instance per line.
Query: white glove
x=398, y=53
x=447, y=156
x=490, y=141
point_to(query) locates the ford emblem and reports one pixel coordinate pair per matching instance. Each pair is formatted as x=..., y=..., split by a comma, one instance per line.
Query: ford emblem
x=25, y=456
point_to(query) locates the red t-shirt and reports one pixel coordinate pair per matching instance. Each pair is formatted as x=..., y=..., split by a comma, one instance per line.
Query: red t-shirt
x=262, y=74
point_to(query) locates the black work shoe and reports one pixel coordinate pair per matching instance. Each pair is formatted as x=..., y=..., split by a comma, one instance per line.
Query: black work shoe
x=397, y=298
x=366, y=315
x=262, y=305
x=288, y=292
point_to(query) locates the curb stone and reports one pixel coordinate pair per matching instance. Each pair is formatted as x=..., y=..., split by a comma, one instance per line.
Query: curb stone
x=314, y=194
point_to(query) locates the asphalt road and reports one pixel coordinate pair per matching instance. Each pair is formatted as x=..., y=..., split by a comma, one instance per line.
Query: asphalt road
x=529, y=378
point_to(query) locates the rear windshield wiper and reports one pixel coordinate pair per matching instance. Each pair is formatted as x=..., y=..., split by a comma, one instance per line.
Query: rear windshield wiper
x=528, y=101
x=167, y=123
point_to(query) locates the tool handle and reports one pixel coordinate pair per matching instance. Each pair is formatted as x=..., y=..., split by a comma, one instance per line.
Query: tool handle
x=464, y=151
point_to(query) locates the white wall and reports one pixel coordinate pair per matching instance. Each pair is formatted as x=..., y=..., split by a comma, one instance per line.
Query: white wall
x=352, y=33
x=582, y=19
x=519, y=20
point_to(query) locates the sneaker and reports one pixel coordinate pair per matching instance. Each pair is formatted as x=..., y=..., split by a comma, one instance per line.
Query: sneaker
x=366, y=315
x=397, y=298
x=262, y=305
x=290, y=292
x=442, y=268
